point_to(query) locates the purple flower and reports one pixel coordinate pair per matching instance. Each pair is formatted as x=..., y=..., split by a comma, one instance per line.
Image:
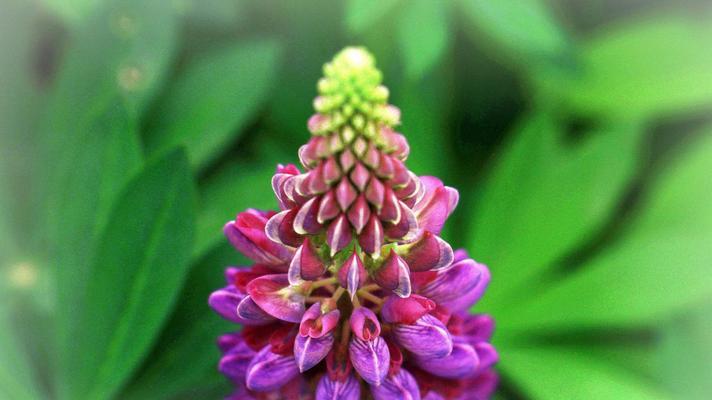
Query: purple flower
x=401, y=385
x=352, y=284
x=370, y=359
x=328, y=389
x=269, y=371
x=426, y=338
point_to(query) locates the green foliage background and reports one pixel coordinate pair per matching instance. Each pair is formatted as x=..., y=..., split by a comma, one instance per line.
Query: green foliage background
x=579, y=134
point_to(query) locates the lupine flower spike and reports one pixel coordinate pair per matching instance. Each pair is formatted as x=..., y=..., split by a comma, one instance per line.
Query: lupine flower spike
x=353, y=294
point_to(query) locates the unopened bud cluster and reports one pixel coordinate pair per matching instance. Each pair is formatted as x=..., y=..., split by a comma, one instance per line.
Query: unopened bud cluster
x=353, y=294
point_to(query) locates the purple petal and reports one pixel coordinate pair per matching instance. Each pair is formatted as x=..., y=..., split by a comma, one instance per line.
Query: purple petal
x=426, y=338
x=478, y=328
x=462, y=362
x=280, y=228
x=250, y=313
x=329, y=389
x=305, y=222
x=273, y=294
x=400, y=385
x=224, y=302
x=229, y=340
x=309, y=351
x=487, y=354
x=235, y=362
x=436, y=205
x=370, y=358
x=458, y=287
x=269, y=371
x=480, y=387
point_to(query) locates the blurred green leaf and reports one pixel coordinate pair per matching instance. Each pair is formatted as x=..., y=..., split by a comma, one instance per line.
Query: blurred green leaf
x=72, y=11
x=544, y=197
x=659, y=266
x=686, y=354
x=548, y=373
x=189, y=338
x=423, y=35
x=212, y=13
x=16, y=378
x=525, y=29
x=122, y=49
x=91, y=170
x=213, y=99
x=141, y=262
x=238, y=186
x=362, y=14
x=641, y=67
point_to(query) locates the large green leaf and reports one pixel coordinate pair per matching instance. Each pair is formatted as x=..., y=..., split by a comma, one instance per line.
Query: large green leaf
x=641, y=67
x=190, y=335
x=659, y=266
x=422, y=35
x=548, y=373
x=139, y=267
x=91, y=169
x=544, y=197
x=525, y=29
x=363, y=14
x=213, y=99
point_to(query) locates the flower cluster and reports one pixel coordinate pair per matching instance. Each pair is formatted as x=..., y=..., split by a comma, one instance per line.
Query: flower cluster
x=353, y=294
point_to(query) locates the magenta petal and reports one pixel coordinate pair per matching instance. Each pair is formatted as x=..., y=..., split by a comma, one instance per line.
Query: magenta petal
x=406, y=229
x=394, y=275
x=352, y=274
x=426, y=338
x=229, y=340
x=401, y=385
x=436, y=205
x=371, y=238
x=338, y=236
x=478, y=328
x=316, y=324
x=280, y=228
x=385, y=167
x=309, y=351
x=328, y=208
x=345, y=194
x=224, y=302
x=360, y=176
x=250, y=313
x=306, y=264
x=332, y=172
x=269, y=371
x=305, y=222
x=458, y=287
x=364, y=324
x=329, y=389
x=359, y=214
x=247, y=235
x=235, y=362
x=273, y=294
x=370, y=358
x=429, y=253
x=390, y=211
x=375, y=192
x=372, y=156
x=397, y=310
x=347, y=160
x=481, y=386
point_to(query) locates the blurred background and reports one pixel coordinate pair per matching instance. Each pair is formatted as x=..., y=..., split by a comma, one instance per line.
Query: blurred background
x=579, y=134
